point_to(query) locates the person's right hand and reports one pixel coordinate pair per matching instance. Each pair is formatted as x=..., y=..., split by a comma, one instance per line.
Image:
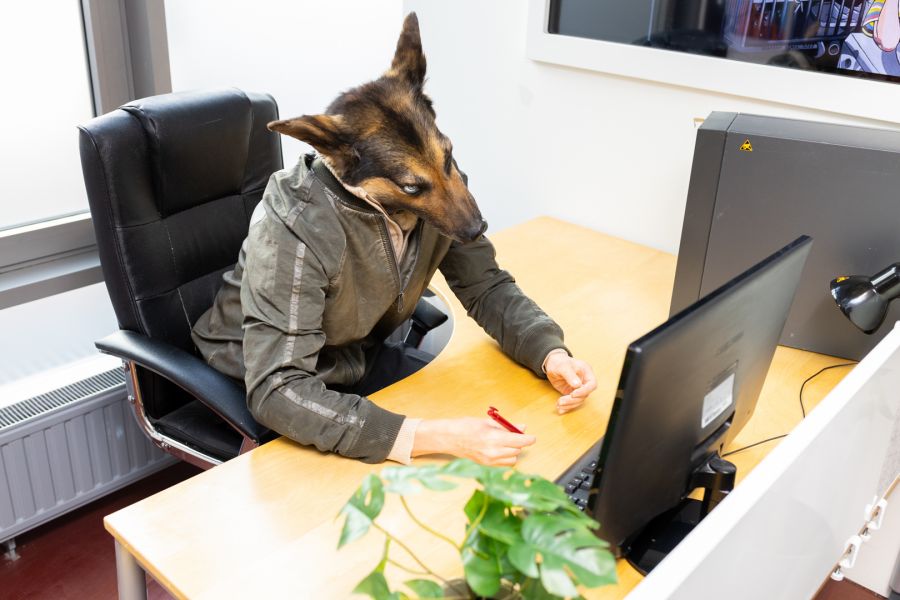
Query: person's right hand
x=479, y=439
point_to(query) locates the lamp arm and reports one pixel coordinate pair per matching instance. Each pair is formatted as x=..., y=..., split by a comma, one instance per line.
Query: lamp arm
x=887, y=282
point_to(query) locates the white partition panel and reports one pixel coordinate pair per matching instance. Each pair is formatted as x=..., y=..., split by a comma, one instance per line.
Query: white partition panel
x=779, y=533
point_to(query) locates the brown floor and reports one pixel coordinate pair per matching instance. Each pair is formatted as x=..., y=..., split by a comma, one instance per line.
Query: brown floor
x=72, y=557
x=846, y=590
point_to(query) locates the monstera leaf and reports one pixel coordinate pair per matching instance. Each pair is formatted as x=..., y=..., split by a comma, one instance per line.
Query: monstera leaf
x=497, y=522
x=410, y=480
x=554, y=546
x=425, y=588
x=522, y=531
x=529, y=492
x=362, y=508
x=484, y=563
x=492, y=529
x=375, y=586
x=464, y=468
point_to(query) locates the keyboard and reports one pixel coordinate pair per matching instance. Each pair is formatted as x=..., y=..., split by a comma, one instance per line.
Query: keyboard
x=578, y=478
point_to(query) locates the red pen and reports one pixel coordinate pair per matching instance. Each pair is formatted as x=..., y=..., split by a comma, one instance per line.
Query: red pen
x=492, y=413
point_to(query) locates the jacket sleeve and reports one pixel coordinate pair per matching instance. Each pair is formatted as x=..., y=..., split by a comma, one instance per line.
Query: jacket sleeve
x=491, y=297
x=283, y=297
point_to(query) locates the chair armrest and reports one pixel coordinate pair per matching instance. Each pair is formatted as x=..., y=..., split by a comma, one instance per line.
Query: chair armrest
x=428, y=316
x=425, y=317
x=216, y=391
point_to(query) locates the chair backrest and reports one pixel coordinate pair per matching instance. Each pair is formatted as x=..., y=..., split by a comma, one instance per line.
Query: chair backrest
x=172, y=181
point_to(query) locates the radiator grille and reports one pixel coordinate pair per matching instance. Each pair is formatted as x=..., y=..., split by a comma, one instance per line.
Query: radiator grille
x=44, y=403
x=64, y=448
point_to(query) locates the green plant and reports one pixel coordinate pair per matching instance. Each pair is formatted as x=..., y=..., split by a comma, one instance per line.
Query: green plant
x=522, y=533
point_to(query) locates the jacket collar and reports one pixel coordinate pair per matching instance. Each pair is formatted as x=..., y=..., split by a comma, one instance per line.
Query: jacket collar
x=324, y=174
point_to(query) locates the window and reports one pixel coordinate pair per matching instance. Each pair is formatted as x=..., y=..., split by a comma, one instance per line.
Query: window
x=47, y=92
x=64, y=61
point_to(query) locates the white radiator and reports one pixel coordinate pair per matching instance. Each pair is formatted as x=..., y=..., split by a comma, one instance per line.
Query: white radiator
x=62, y=449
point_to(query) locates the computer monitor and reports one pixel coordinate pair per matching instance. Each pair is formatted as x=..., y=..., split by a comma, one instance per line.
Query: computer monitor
x=686, y=390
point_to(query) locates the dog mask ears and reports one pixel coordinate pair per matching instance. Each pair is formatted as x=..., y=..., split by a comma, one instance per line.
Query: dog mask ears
x=322, y=132
x=409, y=62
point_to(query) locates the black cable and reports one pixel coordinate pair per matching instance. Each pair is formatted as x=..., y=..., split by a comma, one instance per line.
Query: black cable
x=802, y=407
x=811, y=377
x=777, y=437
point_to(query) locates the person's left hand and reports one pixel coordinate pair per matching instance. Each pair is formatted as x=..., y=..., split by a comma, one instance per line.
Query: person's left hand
x=573, y=378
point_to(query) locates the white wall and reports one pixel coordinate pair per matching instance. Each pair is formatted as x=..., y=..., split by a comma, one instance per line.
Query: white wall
x=46, y=334
x=612, y=153
x=609, y=152
x=303, y=52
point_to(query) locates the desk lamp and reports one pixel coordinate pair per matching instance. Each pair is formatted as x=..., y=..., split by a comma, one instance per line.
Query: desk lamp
x=864, y=300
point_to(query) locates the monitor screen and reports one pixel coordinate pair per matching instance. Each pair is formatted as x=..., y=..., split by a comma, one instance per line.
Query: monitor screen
x=846, y=37
x=686, y=389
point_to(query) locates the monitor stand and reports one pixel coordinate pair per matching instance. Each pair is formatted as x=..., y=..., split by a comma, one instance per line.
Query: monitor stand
x=654, y=542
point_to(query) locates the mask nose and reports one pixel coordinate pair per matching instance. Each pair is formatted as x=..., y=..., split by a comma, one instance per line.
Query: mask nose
x=477, y=230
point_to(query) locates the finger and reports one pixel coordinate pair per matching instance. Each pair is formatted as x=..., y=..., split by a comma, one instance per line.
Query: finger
x=503, y=452
x=516, y=440
x=568, y=373
x=505, y=462
x=589, y=383
x=496, y=425
x=560, y=384
x=569, y=401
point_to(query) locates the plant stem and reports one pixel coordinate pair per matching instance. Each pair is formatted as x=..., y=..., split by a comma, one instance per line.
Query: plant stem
x=474, y=524
x=408, y=551
x=426, y=527
x=405, y=568
x=414, y=572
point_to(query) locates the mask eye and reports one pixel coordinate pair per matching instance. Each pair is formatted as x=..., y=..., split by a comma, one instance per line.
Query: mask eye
x=412, y=190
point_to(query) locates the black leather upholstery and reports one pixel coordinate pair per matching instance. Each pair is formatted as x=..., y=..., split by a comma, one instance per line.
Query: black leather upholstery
x=172, y=181
x=221, y=393
x=425, y=318
x=191, y=425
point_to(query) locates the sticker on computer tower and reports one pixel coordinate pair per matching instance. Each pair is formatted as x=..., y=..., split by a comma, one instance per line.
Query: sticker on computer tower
x=718, y=400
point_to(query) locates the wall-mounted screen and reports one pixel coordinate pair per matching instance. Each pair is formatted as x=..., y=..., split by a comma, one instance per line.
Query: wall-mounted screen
x=848, y=37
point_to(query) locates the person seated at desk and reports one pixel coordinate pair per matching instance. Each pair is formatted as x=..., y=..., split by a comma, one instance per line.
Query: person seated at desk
x=339, y=250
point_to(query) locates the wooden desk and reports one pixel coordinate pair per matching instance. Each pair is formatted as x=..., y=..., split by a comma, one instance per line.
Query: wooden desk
x=262, y=525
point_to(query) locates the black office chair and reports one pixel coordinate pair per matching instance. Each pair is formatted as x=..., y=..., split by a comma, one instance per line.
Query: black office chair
x=172, y=181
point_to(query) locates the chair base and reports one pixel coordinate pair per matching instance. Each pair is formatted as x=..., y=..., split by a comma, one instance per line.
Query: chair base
x=166, y=443
x=196, y=426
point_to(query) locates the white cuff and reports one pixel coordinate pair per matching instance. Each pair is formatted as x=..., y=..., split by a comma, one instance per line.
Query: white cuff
x=403, y=445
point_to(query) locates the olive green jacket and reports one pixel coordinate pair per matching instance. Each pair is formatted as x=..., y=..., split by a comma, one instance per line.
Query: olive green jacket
x=317, y=287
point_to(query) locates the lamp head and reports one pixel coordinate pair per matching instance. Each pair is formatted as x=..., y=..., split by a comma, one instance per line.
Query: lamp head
x=859, y=300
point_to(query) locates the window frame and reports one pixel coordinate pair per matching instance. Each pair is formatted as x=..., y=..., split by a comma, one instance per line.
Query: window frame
x=126, y=49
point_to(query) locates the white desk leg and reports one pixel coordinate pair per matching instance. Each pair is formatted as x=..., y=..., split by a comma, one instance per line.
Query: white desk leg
x=131, y=578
